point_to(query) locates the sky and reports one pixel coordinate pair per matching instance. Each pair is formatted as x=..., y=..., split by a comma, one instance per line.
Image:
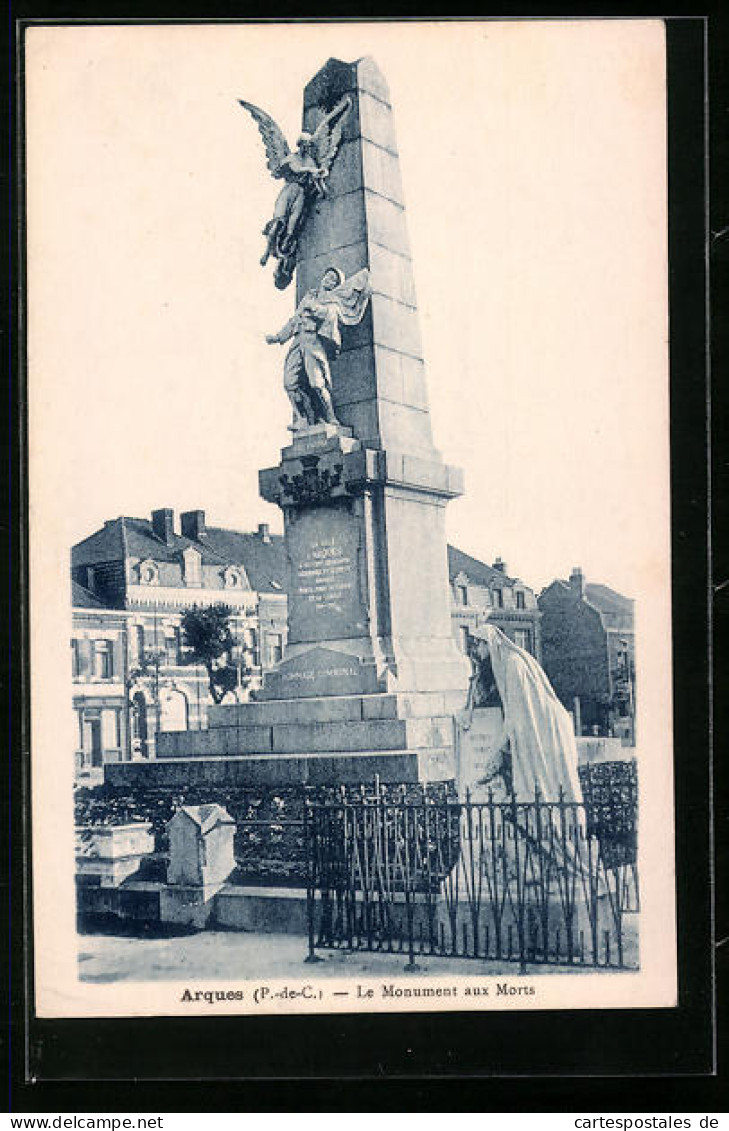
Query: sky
x=533, y=164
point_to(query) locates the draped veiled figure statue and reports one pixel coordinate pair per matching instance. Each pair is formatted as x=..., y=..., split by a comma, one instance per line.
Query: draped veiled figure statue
x=305, y=171
x=315, y=331
x=533, y=759
x=538, y=749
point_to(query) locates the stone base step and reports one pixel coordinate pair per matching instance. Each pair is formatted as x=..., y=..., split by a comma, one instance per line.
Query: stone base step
x=333, y=768
x=308, y=738
x=338, y=708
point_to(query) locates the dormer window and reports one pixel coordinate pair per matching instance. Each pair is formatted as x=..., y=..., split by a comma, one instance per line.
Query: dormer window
x=460, y=589
x=192, y=566
x=148, y=572
x=232, y=578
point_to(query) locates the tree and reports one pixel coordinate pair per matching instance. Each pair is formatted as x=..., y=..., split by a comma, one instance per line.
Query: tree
x=208, y=637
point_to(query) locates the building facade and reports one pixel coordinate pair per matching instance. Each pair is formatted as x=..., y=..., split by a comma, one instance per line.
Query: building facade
x=98, y=672
x=588, y=652
x=132, y=581
x=481, y=592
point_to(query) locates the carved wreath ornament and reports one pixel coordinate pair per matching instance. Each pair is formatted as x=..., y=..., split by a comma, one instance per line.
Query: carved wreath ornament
x=313, y=485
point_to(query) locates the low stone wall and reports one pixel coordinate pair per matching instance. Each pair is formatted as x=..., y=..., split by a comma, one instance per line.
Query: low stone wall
x=601, y=749
x=269, y=837
x=136, y=902
x=107, y=853
x=151, y=908
x=275, y=910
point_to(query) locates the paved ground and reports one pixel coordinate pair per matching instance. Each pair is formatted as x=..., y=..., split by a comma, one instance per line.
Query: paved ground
x=211, y=955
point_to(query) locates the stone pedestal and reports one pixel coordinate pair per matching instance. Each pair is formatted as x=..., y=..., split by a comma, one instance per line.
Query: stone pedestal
x=480, y=735
x=107, y=854
x=368, y=582
x=201, y=859
x=201, y=845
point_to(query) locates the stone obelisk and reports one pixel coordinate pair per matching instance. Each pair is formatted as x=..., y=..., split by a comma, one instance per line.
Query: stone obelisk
x=385, y=517
x=371, y=674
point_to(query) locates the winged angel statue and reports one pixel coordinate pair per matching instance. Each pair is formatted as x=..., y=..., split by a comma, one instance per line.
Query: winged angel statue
x=305, y=172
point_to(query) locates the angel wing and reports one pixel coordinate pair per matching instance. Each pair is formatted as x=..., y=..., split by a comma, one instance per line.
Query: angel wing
x=276, y=145
x=327, y=136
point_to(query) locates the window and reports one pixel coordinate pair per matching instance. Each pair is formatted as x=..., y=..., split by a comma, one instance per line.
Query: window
x=498, y=598
x=139, y=641
x=110, y=729
x=192, y=565
x=139, y=723
x=463, y=638
x=522, y=639
x=231, y=578
x=75, y=658
x=275, y=648
x=104, y=667
x=172, y=646
x=462, y=594
x=173, y=711
x=148, y=573
x=520, y=603
x=254, y=647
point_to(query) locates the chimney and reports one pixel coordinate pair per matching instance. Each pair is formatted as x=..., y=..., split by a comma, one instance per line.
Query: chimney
x=500, y=565
x=192, y=524
x=577, y=582
x=263, y=532
x=163, y=524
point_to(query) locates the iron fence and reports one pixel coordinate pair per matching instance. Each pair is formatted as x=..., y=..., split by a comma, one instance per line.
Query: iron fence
x=535, y=882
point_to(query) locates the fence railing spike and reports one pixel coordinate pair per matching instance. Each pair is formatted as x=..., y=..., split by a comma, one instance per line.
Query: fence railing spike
x=514, y=880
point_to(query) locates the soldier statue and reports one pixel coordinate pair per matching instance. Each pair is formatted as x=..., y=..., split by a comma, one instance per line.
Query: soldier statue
x=315, y=331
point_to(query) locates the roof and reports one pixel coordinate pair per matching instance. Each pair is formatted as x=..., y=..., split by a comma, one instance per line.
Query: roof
x=105, y=545
x=82, y=599
x=476, y=571
x=608, y=601
x=206, y=816
x=558, y=584
x=602, y=597
x=614, y=610
x=263, y=560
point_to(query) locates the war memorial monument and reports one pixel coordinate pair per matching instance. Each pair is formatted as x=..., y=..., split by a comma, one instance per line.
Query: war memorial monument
x=414, y=798
x=372, y=676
